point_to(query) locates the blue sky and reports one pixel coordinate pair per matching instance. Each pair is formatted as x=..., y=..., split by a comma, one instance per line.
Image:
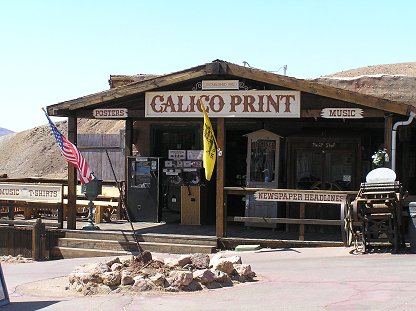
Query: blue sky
x=53, y=51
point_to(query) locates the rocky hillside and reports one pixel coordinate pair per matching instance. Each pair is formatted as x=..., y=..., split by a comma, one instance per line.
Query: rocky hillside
x=392, y=81
x=35, y=153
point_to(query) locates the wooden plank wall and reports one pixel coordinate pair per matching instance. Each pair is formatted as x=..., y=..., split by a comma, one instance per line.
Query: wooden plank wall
x=15, y=241
x=92, y=147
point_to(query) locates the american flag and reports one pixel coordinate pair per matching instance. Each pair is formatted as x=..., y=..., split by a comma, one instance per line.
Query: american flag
x=71, y=154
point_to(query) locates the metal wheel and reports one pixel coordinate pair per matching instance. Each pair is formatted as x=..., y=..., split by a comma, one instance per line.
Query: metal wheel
x=346, y=224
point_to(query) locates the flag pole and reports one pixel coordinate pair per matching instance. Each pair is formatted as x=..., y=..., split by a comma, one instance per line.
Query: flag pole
x=123, y=203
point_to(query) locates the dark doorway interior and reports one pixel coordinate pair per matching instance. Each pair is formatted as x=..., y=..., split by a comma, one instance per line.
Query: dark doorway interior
x=236, y=166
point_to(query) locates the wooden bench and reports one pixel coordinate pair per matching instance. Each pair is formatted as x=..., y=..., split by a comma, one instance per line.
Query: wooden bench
x=106, y=204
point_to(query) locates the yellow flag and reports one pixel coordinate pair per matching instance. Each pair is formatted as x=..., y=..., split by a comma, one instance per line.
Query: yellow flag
x=210, y=151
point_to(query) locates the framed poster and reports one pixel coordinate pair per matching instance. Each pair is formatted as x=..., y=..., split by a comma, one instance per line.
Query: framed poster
x=4, y=296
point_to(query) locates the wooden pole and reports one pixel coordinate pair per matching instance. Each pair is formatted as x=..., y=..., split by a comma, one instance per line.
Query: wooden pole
x=302, y=226
x=221, y=214
x=72, y=178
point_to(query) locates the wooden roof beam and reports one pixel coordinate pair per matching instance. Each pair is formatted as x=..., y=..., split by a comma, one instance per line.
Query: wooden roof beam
x=319, y=89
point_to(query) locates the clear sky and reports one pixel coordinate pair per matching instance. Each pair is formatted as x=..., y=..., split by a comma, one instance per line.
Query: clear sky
x=52, y=51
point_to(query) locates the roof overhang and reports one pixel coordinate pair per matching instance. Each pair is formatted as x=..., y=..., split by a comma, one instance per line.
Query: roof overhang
x=218, y=68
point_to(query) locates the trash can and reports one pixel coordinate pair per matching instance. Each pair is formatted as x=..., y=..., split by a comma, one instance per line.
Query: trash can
x=412, y=227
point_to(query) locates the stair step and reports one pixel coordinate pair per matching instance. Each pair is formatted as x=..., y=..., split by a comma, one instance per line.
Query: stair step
x=96, y=244
x=59, y=252
x=145, y=237
x=111, y=245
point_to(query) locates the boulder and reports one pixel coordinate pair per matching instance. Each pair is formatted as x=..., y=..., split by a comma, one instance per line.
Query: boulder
x=244, y=271
x=235, y=259
x=116, y=266
x=215, y=258
x=158, y=279
x=204, y=276
x=200, y=261
x=180, y=278
x=113, y=261
x=126, y=278
x=112, y=278
x=220, y=277
x=141, y=284
x=183, y=260
x=224, y=265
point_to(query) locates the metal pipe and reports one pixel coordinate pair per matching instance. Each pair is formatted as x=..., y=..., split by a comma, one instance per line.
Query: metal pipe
x=393, y=138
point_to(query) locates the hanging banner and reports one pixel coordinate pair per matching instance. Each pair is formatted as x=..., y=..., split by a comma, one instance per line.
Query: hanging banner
x=4, y=296
x=223, y=104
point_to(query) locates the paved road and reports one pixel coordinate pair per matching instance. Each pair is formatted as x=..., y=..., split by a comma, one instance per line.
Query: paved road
x=288, y=279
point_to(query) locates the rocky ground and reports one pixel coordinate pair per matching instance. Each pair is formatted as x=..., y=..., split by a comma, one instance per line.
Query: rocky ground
x=15, y=259
x=144, y=273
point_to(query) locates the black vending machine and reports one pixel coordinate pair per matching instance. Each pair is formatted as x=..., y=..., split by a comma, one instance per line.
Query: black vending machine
x=144, y=195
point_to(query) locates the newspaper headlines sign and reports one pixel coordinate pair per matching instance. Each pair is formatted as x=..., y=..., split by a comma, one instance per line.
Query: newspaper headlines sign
x=223, y=104
x=31, y=193
x=300, y=196
x=4, y=296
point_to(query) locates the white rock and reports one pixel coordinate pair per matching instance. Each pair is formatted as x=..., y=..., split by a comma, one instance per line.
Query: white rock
x=215, y=258
x=112, y=278
x=224, y=265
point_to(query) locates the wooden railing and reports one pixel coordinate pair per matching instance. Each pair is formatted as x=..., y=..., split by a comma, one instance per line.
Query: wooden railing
x=302, y=197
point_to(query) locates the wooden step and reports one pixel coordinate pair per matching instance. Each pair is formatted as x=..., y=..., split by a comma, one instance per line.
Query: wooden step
x=58, y=252
x=78, y=243
x=145, y=237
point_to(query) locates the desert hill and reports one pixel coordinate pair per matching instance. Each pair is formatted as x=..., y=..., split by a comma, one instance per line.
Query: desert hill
x=35, y=153
x=391, y=81
x=4, y=131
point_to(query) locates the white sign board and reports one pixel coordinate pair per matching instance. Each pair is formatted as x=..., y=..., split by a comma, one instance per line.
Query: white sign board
x=342, y=113
x=114, y=113
x=220, y=85
x=223, y=104
x=299, y=196
x=177, y=154
x=31, y=193
x=194, y=154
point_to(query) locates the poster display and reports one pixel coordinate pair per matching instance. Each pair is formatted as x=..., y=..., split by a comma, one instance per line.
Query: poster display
x=4, y=296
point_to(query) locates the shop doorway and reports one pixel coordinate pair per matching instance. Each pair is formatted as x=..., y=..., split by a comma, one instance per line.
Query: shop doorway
x=317, y=163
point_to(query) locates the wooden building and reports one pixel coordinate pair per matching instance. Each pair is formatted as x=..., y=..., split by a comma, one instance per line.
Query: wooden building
x=273, y=131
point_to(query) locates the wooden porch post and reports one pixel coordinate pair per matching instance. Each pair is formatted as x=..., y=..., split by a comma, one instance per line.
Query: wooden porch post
x=72, y=178
x=220, y=223
x=128, y=151
x=128, y=148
